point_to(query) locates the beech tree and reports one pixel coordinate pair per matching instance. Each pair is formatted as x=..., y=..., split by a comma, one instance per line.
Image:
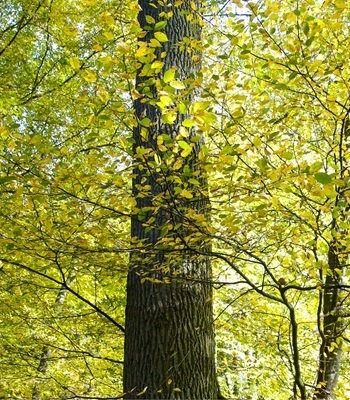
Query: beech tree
x=169, y=337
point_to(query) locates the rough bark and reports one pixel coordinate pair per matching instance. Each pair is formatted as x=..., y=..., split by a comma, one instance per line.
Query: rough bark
x=169, y=338
x=331, y=323
x=332, y=330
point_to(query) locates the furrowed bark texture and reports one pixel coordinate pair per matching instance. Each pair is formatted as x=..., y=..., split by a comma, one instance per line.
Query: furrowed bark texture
x=331, y=326
x=330, y=349
x=169, y=338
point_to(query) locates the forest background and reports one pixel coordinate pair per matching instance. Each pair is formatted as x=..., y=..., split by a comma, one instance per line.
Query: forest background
x=265, y=115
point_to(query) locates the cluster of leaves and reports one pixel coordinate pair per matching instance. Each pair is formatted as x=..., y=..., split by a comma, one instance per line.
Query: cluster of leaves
x=280, y=92
x=64, y=124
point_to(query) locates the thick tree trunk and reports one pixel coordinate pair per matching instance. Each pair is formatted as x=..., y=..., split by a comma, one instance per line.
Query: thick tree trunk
x=169, y=338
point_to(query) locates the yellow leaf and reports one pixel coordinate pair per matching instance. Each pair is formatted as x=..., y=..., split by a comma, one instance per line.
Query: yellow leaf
x=186, y=152
x=340, y=4
x=185, y=193
x=90, y=76
x=157, y=64
x=19, y=191
x=183, y=132
x=182, y=108
x=103, y=95
x=178, y=164
x=157, y=159
x=97, y=47
x=169, y=75
x=143, y=50
x=161, y=37
x=194, y=7
x=166, y=100
x=177, y=85
x=160, y=25
x=329, y=191
x=71, y=31
x=74, y=62
x=257, y=142
x=154, y=43
x=199, y=106
x=169, y=117
x=108, y=35
x=107, y=18
x=150, y=20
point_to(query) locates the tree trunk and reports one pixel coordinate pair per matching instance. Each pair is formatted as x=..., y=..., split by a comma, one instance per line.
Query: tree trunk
x=46, y=353
x=331, y=324
x=332, y=329
x=169, y=338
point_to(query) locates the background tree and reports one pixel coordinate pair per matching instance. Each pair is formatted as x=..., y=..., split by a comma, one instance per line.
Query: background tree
x=283, y=126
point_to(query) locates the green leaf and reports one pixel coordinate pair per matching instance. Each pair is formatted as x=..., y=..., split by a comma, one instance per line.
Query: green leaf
x=145, y=122
x=323, y=178
x=310, y=40
x=262, y=163
x=5, y=179
x=160, y=25
x=194, y=181
x=184, y=145
x=188, y=123
x=288, y=155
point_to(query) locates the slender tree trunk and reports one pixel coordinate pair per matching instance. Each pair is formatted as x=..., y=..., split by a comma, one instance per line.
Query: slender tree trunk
x=330, y=349
x=169, y=338
x=332, y=330
x=331, y=324
x=46, y=353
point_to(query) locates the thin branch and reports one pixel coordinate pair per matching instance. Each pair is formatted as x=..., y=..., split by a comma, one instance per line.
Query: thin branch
x=69, y=289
